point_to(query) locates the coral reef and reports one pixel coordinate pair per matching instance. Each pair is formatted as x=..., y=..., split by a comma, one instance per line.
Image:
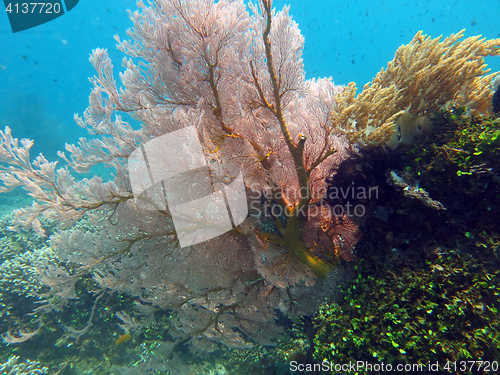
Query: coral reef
x=448, y=310
x=261, y=115
x=12, y=367
x=423, y=76
x=235, y=80
x=427, y=284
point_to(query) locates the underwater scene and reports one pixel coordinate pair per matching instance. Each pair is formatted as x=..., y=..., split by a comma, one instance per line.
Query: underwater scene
x=249, y=187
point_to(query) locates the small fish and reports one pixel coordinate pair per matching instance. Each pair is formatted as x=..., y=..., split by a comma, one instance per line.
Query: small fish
x=123, y=338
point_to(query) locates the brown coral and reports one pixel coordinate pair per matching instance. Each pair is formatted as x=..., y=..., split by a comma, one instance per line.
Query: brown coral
x=423, y=76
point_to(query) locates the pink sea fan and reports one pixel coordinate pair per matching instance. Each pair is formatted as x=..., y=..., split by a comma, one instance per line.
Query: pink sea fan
x=237, y=78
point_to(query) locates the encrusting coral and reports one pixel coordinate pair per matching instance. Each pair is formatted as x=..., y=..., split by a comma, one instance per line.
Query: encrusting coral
x=238, y=78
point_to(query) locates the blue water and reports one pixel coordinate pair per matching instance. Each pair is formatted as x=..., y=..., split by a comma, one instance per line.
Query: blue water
x=44, y=70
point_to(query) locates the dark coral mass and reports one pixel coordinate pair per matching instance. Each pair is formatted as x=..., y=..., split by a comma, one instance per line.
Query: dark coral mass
x=496, y=101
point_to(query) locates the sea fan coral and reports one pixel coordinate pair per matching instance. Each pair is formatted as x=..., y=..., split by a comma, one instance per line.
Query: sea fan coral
x=237, y=79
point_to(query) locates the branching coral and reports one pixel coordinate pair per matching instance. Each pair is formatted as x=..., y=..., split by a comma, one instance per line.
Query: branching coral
x=238, y=79
x=423, y=76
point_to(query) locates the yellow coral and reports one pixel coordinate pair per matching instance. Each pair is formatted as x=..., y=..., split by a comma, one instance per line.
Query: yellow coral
x=423, y=76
